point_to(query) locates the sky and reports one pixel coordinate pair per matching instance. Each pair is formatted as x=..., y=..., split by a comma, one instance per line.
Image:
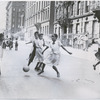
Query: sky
x=3, y=15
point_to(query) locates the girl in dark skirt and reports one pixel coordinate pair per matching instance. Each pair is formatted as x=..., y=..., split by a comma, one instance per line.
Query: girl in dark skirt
x=32, y=54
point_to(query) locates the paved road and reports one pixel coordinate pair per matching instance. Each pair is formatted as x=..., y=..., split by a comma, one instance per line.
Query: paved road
x=78, y=79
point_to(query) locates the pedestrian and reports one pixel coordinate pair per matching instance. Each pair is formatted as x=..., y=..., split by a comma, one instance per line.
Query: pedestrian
x=4, y=45
x=85, y=39
x=10, y=44
x=97, y=54
x=16, y=45
x=1, y=50
x=39, y=49
x=54, y=56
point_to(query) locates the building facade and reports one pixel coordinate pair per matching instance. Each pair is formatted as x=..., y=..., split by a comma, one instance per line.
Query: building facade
x=39, y=17
x=15, y=16
x=80, y=19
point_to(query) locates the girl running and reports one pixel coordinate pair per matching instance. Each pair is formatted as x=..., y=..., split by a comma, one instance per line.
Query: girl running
x=33, y=53
x=54, y=56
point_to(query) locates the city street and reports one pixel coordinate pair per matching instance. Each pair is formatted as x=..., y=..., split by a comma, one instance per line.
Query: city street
x=77, y=79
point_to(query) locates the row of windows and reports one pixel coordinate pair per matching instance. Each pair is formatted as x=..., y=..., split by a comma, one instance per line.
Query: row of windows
x=94, y=29
x=33, y=10
x=39, y=4
x=43, y=16
x=19, y=10
x=77, y=8
x=45, y=30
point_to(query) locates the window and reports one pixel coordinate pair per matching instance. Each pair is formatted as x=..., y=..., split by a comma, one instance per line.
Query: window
x=13, y=9
x=55, y=30
x=56, y=2
x=42, y=4
x=41, y=16
x=96, y=29
x=72, y=9
x=48, y=12
x=39, y=5
x=47, y=29
x=71, y=29
x=78, y=8
x=87, y=6
x=13, y=25
x=77, y=28
x=59, y=32
x=19, y=10
x=43, y=29
x=86, y=26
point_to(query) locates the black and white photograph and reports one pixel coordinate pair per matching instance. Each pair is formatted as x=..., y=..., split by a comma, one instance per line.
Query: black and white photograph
x=50, y=50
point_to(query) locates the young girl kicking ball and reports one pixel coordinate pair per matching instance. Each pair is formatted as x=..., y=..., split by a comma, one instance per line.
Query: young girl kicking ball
x=54, y=57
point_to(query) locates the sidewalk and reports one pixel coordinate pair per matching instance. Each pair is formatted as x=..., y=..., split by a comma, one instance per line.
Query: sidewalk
x=89, y=55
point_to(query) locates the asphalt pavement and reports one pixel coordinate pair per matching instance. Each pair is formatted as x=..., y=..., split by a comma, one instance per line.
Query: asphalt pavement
x=77, y=79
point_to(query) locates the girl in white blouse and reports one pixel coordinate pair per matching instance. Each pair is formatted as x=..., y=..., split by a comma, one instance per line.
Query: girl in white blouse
x=54, y=56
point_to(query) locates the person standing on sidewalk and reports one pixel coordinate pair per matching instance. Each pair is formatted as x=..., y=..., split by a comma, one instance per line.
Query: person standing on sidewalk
x=1, y=49
x=85, y=39
x=54, y=56
x=16, y=44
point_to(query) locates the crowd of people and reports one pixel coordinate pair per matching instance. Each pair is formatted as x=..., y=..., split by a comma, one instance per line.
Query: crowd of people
x=81, y=41
x=9, y=42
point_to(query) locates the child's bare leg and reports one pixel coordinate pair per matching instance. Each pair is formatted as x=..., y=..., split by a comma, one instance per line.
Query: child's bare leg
x=58, y=74
x=43, y=66
x=36, y=67
x=39, y=66
x=96, y=65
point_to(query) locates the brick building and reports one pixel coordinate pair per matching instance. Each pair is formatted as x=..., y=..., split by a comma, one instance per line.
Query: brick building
x=39, y=17
x=15, y=16
x=78, y=17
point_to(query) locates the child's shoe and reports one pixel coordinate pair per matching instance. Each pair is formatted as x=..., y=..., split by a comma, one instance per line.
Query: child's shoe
x=94, y=67
x=58, y=74
x=40, y=72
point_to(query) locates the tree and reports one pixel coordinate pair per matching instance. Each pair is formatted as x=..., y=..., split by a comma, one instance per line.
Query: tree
x=63, y=19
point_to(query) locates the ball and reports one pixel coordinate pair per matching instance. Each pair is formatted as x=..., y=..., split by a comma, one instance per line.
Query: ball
x=26, y=69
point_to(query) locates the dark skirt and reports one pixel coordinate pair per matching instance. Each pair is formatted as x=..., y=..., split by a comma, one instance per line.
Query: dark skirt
x=97, y=54
x=32, y=55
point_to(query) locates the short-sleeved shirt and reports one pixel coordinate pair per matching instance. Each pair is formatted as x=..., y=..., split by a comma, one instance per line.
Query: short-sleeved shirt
x=39, y=43
x=55, y=47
